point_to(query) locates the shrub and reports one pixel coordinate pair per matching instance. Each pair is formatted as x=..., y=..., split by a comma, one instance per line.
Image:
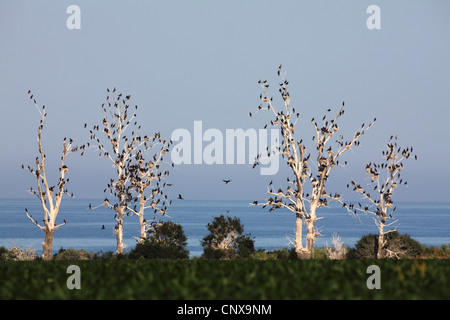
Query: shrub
x=20, y=254
x=245, y=246
x=3, y=250
x=320, y=253
x=397, y=246
x=166, y=241
x=226, y=240
x=261, y=254
x=151, y=250
x=72, y=254
x=436, y=253
x=107, y=255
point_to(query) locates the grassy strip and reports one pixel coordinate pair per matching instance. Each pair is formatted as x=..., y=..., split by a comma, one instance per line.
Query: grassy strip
x=236, y=279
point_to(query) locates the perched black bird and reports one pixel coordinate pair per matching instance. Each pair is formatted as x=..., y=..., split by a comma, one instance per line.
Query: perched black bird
x=227, y=181
x=180, y=197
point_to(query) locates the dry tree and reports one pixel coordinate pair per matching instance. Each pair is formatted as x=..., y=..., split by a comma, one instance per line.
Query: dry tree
x=293, y=151
x=338, y=249
x=126, y=151
x=384, y=179
x=50, y=196
x=147, y=181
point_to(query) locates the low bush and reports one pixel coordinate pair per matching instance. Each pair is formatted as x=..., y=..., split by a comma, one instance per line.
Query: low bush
x=72, y=254
x=279, y=254
x=398, y=246
x=226, y=240
x=152, y=250
x=3, y=250
x=20, y=254
x=436, y=253
x=166, y=240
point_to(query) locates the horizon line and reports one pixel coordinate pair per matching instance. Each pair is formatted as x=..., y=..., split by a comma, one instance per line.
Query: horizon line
x=359, y=200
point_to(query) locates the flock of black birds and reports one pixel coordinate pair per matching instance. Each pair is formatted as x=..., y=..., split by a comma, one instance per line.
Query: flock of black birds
x=296, y=158
x=135, y=173
x=389, y=171
x=295, y=154
x=44, y=190
x=180, y=197
x=139, y=183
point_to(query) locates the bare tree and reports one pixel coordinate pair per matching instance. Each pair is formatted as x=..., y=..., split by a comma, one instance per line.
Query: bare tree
x=293, y=197
x=384, y=179
x=146, y=179
x=121, y=150
x=50, y=196
x=338, y=250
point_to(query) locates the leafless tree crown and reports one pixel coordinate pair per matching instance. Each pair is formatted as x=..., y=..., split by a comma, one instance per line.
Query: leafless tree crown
x=296, y=156
x=49, y=195
x=384, y=177
x=139, y=176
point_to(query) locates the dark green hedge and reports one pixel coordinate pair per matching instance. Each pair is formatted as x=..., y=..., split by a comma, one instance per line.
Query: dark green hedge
x=235, y=279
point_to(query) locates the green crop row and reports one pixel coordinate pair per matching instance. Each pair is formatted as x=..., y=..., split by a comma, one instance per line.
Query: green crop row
x=234, y=279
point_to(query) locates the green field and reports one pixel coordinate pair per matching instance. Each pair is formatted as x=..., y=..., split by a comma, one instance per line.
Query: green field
x=235, y=279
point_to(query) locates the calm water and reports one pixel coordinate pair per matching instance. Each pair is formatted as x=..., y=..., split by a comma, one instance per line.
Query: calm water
x=428, y=223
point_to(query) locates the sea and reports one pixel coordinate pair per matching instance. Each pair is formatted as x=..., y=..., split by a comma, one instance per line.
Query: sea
x=428, y=223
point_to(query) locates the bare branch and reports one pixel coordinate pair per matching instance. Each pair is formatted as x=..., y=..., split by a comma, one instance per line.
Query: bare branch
x=298, y=160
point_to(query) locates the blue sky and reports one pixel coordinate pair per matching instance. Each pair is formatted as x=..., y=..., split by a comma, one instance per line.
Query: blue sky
x=183, y=61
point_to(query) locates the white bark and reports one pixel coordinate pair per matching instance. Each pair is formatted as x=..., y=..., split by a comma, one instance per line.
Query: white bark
x=293, y=198
x=49, y=196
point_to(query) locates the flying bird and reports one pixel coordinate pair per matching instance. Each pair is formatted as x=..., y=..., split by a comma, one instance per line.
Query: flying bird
x=227, y=181
x=180, y=197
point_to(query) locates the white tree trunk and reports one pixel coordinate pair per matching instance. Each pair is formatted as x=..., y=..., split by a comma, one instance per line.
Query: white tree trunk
x=47, y=245
x=380, y=251
x=299, y=249
x=119, y=237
